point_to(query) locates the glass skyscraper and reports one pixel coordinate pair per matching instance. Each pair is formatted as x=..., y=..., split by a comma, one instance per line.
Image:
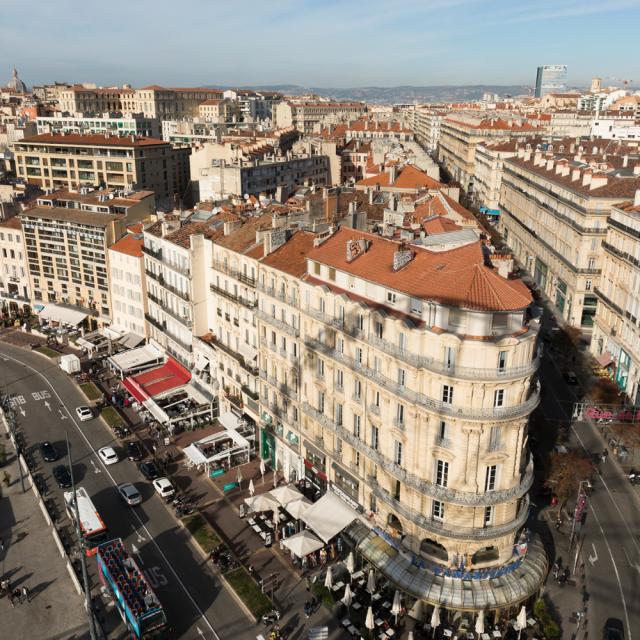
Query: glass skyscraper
x=551, y=78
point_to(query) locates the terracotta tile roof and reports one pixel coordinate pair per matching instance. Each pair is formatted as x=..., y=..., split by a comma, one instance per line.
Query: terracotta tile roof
x=211, y=101
x=130, y=244
x=11, y=223
x=93, y=140
x=493, y=123
x=243, y=239
x=439, y=224
x=291, y=257
x=410, y=177
x=458, y=277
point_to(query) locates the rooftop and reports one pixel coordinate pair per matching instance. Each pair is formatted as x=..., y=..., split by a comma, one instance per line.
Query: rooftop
x=93, y=140
x=428, y=275
x=131, y=245
x=409, y=177
x=63, y=214
x=291, y=257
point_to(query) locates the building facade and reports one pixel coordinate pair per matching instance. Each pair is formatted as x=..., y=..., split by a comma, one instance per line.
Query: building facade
x=616, y=338
x=550, y=78
x=14, y=276
x=135, y=125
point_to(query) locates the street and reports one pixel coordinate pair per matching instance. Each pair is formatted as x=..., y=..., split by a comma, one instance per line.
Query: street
x=197, y=606
x=610, y=547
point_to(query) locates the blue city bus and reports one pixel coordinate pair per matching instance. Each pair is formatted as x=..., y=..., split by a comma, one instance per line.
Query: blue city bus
x=138, y=605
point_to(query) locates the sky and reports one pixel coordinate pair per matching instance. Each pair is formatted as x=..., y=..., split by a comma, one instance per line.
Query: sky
x=317, y=43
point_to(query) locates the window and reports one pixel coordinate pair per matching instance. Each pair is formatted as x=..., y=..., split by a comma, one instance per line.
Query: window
x=502, y=360
x=340, y=345
x=457, y=320
x=339, y=414
x=360, y=322
x=442, y=473
x=356, y=458
x=357, y=389
x=488, y=516
x=402, y=377
x=442, y=430
x=400, y=415
x=437, y=510
x=494, y=438
x=321, y=401
x=449, y=358
x=373, y=504
x=321, y=305
x=391, y=297
x=396, y=490
x=376, y=399
x=591, y=264
x=490, y=478
x=447, y=394
x=379, y=328
x=374, y=438
x=320, y=368
x=356, y=425
x=339, y=379
x=498, y=398
x=332, y=274
x=402, y=341
x=359, y=355
x=587, y=285
x=316, y=268
x=397, y=454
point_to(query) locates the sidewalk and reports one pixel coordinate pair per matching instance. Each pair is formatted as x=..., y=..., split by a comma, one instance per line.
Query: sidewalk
x=565, y=601
x=31, y=559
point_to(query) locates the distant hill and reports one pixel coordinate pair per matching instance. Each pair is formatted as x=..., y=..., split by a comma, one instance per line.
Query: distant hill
x=403, y=94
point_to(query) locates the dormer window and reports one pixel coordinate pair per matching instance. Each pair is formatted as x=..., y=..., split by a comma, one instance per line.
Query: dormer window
x=391, y=297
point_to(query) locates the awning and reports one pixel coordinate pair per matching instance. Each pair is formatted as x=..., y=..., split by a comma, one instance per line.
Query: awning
x=135, y=358
x=63, y=315
x=247, y=351
x=329, y=516
x=303, y=543
x=135, y=390
x=298, y=508
x=605, y=359
x=230, y=421
x=262, y=502
x=194, y=454
x=131, y=340
x=157, y=412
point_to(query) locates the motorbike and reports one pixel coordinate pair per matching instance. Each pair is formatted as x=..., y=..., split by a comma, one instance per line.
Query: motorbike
x=271, y=617
x=634, y=476
x=309, y=607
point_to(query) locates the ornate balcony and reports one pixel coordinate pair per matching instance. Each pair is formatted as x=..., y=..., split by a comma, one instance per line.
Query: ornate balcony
x=238, y=275
x=423, y=486
x=279, y=324
x=250, y=304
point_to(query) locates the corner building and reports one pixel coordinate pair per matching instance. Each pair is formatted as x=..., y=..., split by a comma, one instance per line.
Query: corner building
x=410, y=399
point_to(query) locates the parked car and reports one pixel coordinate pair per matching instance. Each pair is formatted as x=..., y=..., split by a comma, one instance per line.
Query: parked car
x=129, y=494
x=84, y=413
x=134, y=452
x=108, y=455
x=164, y=488
x=62, y=476
x=149, y=470
x=613, y=630
x=49, y=453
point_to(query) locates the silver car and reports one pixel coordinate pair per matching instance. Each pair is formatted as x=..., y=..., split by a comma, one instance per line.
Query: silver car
x=129, y=494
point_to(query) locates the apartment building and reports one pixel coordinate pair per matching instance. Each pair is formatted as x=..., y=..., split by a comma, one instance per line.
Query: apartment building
x=254, y=106
x=407, y=399
x=133, y=125
x=616, y=338
x=308, y=117
x=61, y=161
x=66, y=253
x=14, y=276
x=554, y=206
x=426, y=124
x=127, y=283
x=459, y=136
x=569, y=123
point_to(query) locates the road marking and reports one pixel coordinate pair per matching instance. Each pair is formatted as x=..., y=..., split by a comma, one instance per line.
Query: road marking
x=155, y=577
x=95, y=468
x=136, y=552
x=633, y=565
x=46, y=404
x=62, y=416
x=615, y=568
x=41, y=395
x=115, y=484
x=593, y=558
x=23, y=413
x=17, y=400
x=200, y=632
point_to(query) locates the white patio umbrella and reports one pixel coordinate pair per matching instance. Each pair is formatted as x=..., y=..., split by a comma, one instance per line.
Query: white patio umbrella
x=479, y=628
x=435, y=618
x=410, y=636
x=303, y=543
x=369, y=622
x=351, y=564
x=263, y=468
x=262, y=502
x=328, y=579
x=285, y=495
x=348, y=596
x=396, y=607
x=521, y=620
x=252, y=489
x=417, y=611
x=297, y=508
x=275, y=478
x=371, y=582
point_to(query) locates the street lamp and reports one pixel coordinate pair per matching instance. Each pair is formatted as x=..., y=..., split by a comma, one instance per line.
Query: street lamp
x=581, y=505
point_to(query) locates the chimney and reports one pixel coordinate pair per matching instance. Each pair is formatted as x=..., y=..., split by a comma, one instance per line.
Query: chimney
x=392, y=174
x=331, y=207
x=527, y=154
x=586, y=177
x=550, y=163
x=520, y=152
x=575, y=175
x=636, y=199
x=598, y=180
x=636, y=169
x=625, y=160
x=537, y=157
x=370, y=196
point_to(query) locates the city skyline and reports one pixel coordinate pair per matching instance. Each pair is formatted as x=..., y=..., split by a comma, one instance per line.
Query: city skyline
x=347, y=44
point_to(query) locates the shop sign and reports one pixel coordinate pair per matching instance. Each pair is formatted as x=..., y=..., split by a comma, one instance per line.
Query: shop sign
x=216, y=473
x=348, y=499
x=229, y=486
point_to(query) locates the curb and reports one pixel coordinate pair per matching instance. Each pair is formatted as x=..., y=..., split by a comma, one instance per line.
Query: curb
x=215, y=571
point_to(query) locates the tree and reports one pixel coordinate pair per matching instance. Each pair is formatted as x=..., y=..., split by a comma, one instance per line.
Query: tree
x=605, y=391
x=566, y=471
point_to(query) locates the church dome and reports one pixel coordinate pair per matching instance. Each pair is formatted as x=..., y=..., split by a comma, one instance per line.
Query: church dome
x=16, y=84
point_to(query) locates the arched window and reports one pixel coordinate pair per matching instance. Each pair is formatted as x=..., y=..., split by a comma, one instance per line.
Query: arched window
x=435, y=549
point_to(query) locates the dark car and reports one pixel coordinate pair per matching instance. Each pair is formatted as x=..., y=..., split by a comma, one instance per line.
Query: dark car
x=134, y=452
x=149, y=470
x=613, y=630
x=62, y=476
x=49, y=453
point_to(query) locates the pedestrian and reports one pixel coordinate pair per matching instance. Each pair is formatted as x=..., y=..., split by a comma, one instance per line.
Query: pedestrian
x=1, y=544
x=556, y=569
x=308, y=581
x=11, y=600
x=558, y=523
x=17, y=595
x=25, y=593
x=566, y=573
x=603, y=455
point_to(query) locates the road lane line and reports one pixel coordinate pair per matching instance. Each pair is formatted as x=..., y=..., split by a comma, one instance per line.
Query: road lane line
x=115, y=484
x=615, y=568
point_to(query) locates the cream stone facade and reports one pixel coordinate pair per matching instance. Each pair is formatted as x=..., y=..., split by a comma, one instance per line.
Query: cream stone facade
x=554, y=207
x=489, y=159
x=308, y=117
x=14, y=275
x=616, y=337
